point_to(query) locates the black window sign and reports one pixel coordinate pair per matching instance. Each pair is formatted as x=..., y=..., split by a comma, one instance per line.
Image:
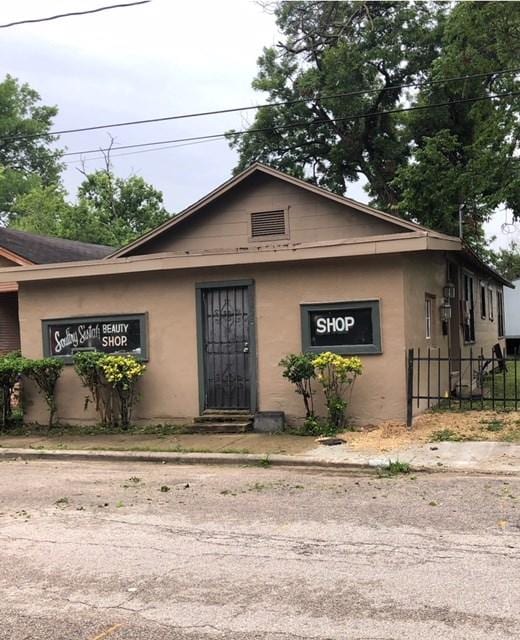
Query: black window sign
x=64, y=338
x=343, y=327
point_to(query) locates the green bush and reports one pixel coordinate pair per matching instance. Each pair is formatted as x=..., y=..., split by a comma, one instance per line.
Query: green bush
x=45, y=372
x=111, y=380
x=336, y=373
x=299, y=369
x=12, y=367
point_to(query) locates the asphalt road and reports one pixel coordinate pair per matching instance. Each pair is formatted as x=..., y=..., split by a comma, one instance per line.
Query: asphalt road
x=97, y=550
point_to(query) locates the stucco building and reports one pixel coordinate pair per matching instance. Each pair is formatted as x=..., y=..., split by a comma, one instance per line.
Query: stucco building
x=262, y=266
x=19, y=248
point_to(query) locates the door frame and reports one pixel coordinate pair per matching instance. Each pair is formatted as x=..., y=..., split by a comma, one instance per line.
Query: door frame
x=199, y=288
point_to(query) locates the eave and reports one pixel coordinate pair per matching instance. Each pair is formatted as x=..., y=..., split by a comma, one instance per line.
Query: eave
x=367, y=246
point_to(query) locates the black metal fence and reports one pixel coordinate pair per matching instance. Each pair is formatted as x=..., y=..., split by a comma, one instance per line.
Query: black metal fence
x=474, y=381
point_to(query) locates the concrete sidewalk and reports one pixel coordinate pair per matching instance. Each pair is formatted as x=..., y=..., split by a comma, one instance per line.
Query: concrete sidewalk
x=471, y=457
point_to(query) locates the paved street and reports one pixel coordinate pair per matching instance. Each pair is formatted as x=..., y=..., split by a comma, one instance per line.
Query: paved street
x=118, y=551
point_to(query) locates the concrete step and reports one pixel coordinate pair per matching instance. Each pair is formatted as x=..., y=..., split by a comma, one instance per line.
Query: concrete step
x=223, y=417
x=220, y=427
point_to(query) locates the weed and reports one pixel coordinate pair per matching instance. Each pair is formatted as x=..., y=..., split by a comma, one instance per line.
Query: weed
x=445, y=435
x=394, y=468
x=265, y=462
x=120, y=504
x=512, y=436
x=165, y=488
x=495, y=425
x=134, y=479
x=62, y=502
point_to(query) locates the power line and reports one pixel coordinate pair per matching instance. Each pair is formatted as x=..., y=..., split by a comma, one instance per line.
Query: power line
x=135, y=153
x=74, y=13
x=295, y=125
x=199, y=114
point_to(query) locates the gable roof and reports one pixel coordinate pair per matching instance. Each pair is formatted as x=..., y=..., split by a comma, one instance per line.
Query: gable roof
x=31, y=248
x=261, y=168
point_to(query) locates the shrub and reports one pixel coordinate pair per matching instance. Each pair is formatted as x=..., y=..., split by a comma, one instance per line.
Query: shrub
x=111, y=380
x=45, y=373
x=122, y=373
x=86, y=365
x=12, y=366
x=299, y=369
x=335, y=373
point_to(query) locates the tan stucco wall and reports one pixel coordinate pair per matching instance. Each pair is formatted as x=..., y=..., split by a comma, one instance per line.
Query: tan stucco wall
x=427, y=274
x=169, y=389
x=225, y=223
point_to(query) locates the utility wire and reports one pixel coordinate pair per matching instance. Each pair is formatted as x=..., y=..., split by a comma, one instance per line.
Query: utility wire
x=74, y=13
x=135, y=153
x=295, y=125
x=345, y=94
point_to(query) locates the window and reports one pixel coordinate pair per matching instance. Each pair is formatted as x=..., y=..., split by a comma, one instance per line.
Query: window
x=341, y=327
x=483, y=300
x=500, y=313
x=268, y=224
x=468, y=311
x=117, y=334
x=429, y=307
x=491, y=313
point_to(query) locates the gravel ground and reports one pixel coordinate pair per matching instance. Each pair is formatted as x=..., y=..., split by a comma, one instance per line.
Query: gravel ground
x=95, y=550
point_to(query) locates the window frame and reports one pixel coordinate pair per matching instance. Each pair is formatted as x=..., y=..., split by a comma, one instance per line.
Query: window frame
x=142, y=318
x=483, y=300
x=500, y=314
x=491, y=312
x=375, y=348
x=429, y=316
x=469, y=334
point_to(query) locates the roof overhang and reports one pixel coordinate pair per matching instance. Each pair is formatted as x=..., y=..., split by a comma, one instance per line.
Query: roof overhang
x=367, y=246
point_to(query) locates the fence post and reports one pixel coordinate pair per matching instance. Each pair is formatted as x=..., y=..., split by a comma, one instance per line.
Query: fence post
x=409, y=388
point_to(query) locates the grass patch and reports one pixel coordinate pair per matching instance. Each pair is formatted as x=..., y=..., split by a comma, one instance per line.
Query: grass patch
x=394, y=468
x=495, y=425
x=397, y=467
x=93, y=430
x=446, y=435
x=511, y=436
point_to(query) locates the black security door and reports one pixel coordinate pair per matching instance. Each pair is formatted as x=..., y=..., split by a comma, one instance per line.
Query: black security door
x=226, y=347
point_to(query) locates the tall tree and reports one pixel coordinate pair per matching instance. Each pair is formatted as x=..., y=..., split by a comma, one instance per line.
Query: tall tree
x=421, y=164
x=467, y=153
x=27, y=159
x=507, y=261
x=109, y=210
x=121, y=209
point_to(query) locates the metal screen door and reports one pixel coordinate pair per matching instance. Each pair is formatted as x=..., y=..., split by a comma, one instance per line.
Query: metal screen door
x=226, y=347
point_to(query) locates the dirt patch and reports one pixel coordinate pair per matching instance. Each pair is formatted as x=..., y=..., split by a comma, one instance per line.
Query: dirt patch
x=207, y=443
x=437, y=427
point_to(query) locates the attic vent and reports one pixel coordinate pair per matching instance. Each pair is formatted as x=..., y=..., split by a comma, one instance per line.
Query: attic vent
x=268, y=223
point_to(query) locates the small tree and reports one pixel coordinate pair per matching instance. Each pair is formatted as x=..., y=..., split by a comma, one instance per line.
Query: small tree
x=335, y=373
x=299, y=369
x=87, y=366
x=122, y=373
x=46, y=373
x=12, y=366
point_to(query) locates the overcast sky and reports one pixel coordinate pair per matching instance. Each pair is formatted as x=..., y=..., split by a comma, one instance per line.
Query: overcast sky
x=162, y=58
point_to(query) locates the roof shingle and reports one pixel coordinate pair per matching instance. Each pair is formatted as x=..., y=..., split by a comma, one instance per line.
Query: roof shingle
x=46, y=250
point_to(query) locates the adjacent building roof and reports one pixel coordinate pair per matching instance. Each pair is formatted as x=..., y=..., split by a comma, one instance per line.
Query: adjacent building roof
x=38, y=249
